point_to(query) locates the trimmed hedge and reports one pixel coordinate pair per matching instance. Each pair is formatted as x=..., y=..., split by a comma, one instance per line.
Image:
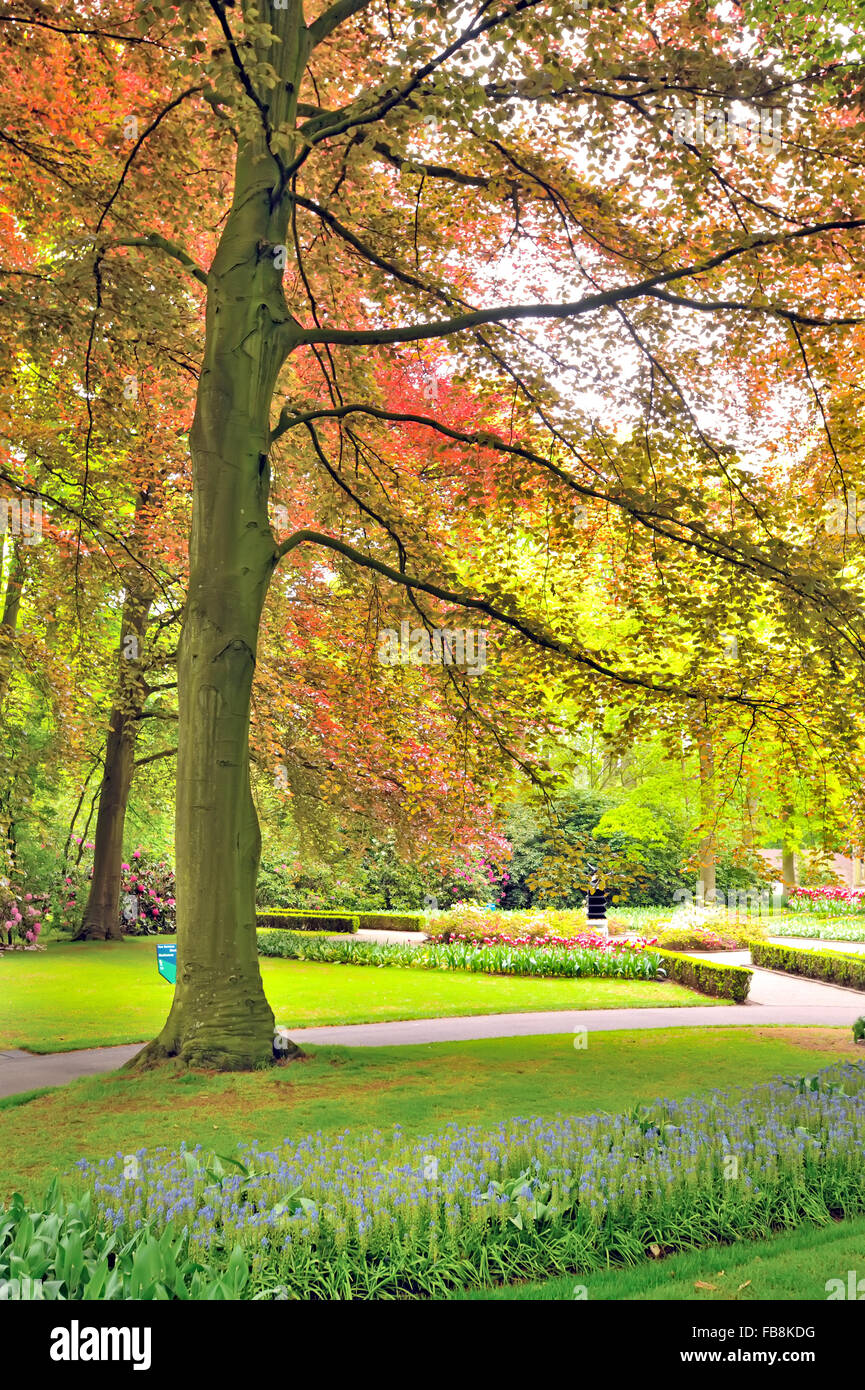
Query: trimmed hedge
x=279, y=919
x=296, y=919
x=392, y=921
x=707, y=976
x=832, y=967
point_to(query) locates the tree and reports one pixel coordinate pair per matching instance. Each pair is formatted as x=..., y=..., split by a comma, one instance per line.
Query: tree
x=385, y=157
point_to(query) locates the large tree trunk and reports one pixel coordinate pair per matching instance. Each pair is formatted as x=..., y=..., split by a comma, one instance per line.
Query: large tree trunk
x=220, y=1016
x=101, y=920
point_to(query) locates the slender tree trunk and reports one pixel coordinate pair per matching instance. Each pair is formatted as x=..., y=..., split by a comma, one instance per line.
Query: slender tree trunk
x=220, y=1016
x=788, y=861
x=707, y=874
x=101, y=920
x=8, y=626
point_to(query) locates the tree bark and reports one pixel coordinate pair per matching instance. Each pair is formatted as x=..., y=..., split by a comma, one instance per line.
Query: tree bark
x=220, y=1017
x=101, y=920
x=707, y=872
x=788, y=861
x=8, y=626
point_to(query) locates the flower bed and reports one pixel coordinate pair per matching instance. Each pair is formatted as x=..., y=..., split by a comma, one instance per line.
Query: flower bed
x=833, y=901
x=820, y=931
x=587, y=956
x=477, y=925
x=385, y=1215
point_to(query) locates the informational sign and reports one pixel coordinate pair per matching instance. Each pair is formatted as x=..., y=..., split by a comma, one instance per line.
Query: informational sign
x=166, y=963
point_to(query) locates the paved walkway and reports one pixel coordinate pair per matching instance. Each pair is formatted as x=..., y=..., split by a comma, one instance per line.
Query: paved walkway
x=774, y=999
x=28, y=1071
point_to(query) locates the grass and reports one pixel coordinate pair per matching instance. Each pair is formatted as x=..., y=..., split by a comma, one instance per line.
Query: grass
x=422, y=1088
x=93, y=994
x=793, y=1266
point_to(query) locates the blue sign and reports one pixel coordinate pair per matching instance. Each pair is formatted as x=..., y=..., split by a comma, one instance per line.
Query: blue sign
x=166, y=963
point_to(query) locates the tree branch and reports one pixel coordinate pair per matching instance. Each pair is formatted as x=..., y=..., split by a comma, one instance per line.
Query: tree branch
x=412, y=333
x=154, y=242
x=331, y=19
x=152, y=757
x=535, y=635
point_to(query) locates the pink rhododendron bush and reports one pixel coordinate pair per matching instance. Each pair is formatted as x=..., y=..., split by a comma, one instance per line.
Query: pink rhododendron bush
x=22, y=916
x=147, y=902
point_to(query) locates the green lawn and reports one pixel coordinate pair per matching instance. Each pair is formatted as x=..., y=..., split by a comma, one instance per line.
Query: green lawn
x=422, y=1087
x=793, y=1266
x=98, y=993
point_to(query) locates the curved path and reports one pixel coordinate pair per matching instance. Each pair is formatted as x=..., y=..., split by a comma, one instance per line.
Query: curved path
x=775, y=999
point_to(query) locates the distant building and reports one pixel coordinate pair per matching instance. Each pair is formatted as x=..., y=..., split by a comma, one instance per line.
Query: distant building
x=850, y=871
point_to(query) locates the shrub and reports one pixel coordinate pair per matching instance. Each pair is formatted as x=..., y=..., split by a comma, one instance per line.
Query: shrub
x=284, y=919
x=298, y=920
x=728, y=938
x=65, y=1250
x=147, y=901
x=832, y=967
x=475, y=924
x=392, y=921
x=21, y=914
x=708, y=976
x=147, y=895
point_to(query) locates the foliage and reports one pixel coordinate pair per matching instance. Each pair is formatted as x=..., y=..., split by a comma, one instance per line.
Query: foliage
x=383, y=1215
x=147, y=901
x=147, y=905
x=728, y=938
x=816, y=869
x=650, y=546
x=302, y=921
x=477, y=924
x=646, y=858
x=65, y=1250
x=298, y=920
x=22, y=914
x=833, y=967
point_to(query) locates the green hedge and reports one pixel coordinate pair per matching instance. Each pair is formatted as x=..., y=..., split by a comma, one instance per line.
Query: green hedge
x=832, y=967
x=286, y=919
x=707, y=976
x=296, y=919
x=392, y=921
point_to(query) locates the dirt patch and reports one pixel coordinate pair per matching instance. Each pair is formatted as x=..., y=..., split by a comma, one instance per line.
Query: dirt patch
x=833, y=1040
